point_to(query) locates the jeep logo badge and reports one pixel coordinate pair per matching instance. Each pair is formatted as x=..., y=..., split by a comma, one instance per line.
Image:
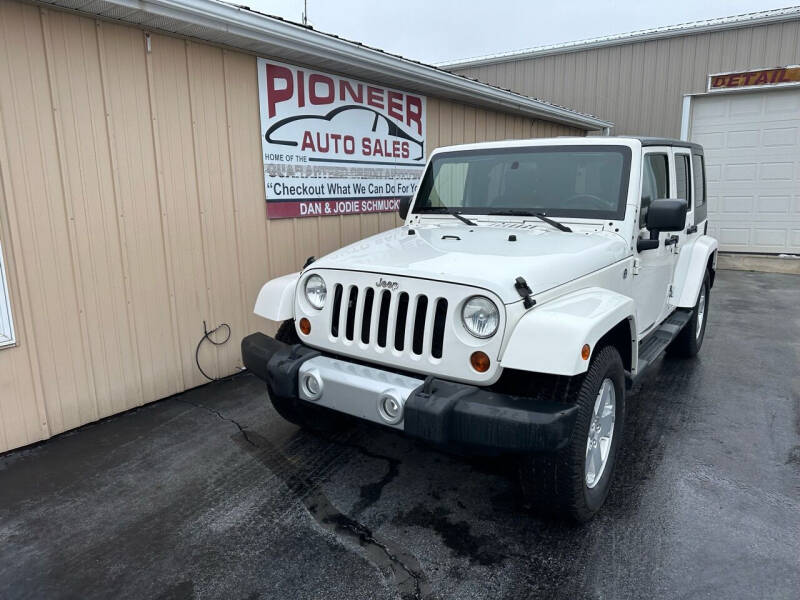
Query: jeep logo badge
x=389, y=285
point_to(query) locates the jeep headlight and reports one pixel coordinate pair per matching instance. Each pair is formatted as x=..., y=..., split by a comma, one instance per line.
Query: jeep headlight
x=316, y=291
x=481, y=317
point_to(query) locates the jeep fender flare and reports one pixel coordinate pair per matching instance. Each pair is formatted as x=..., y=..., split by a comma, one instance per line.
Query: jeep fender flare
x=691, y=269
x=276, y=299
x=549, y=338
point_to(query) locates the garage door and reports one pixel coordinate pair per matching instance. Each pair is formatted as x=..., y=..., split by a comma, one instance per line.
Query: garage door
x=752, y=143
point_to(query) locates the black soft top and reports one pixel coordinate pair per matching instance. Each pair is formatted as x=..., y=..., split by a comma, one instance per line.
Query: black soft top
x=656, y=141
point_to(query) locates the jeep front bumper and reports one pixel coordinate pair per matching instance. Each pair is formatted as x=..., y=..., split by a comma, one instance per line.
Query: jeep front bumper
x=439, y=411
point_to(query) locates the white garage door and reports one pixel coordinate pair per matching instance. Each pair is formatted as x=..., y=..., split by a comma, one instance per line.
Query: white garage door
x=752, y=144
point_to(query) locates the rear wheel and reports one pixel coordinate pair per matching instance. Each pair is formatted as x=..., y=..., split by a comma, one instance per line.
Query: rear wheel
x=575, y=481
x=688, y=342
x=300, y=412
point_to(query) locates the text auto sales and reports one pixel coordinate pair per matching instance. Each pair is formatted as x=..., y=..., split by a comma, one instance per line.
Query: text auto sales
x=329, y=142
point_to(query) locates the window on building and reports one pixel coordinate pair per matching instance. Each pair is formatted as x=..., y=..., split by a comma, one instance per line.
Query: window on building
x=6, y=324
x=684, y=190
x=655, y=182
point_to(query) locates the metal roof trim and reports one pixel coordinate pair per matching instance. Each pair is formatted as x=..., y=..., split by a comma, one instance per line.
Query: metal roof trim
x=766, y=17
x=245, y=25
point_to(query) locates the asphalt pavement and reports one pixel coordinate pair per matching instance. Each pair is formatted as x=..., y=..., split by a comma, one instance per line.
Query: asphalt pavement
x=210, y=494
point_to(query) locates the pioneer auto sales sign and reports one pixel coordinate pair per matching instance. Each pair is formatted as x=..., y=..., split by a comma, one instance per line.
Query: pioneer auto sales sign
x=336, y=146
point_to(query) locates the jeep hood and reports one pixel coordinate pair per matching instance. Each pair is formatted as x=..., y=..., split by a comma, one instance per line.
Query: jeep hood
x=481, y=256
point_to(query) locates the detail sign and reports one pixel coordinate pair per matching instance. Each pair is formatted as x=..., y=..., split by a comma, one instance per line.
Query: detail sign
x=754, y=79
x=334, y=145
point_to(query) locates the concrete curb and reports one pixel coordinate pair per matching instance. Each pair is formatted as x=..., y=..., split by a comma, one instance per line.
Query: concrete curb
x=766, y=263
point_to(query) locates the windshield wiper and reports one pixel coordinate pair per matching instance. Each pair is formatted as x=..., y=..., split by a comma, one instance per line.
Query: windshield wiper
x=539, y=215
x=449, y=211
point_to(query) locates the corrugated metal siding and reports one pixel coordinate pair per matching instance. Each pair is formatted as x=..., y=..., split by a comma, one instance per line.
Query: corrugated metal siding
x=640, y=86
x=132, y=209
x=452, y=123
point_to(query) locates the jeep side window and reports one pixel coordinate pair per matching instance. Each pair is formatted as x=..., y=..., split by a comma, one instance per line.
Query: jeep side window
x=684, y=190
x=699, y=179
x=699, y=182
x=655, y=182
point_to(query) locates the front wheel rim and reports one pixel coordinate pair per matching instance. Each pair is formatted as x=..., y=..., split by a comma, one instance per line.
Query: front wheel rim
x=701, y=312
x=601, y=433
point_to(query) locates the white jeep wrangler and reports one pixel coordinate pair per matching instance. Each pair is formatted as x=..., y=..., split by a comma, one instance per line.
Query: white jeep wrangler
x=531, y=283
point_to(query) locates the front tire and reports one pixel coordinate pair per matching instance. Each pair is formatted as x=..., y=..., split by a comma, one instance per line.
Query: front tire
x=299, y=412
x=689, y=341
x=574, y=482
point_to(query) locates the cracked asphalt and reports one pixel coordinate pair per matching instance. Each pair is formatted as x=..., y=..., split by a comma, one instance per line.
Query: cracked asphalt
x=210, y=494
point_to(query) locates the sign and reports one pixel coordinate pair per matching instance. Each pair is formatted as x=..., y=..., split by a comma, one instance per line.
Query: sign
x=754, y=79
x=334, y=145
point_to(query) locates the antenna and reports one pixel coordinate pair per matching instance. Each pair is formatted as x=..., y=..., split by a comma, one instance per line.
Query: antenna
x=305, y=12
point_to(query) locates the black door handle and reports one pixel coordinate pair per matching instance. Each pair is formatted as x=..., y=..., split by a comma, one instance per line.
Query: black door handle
x=691, y=229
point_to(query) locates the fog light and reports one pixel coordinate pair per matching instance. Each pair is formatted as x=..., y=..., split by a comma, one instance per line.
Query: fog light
x=479, y=361
x=390, y=408
x=312, y=385
x=305, y=326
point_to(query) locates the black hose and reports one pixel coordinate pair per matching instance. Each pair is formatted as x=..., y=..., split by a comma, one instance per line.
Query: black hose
x=207, y=336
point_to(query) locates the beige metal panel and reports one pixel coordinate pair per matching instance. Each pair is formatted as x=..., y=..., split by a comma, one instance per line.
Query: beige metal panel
x=22, y=415
x=215, y=199
x=790, y=42
x=370, y=225
x=43, y=240
x=640, y=86
x=181, y=222
x=772, y=46
x=90, y=195
x=132, y=210
x=281, y=250
x=122, y=50
x=351, y=229
x=672, y=63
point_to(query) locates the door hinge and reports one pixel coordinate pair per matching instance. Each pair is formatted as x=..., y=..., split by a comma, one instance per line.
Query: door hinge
x=636, y=265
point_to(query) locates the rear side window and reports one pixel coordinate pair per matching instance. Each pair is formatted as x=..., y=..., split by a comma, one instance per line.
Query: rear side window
x=699, y=179
x=682, y=183
x=655, y=182
x=699, y=185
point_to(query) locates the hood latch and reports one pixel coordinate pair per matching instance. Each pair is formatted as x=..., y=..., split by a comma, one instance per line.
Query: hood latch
x=524, y=291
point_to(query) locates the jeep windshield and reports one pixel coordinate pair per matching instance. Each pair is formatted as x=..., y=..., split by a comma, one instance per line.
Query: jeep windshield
x=587, y=182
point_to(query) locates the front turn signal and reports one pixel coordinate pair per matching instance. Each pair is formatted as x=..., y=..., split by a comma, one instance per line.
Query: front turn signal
x=480, y=361
x=305, y=326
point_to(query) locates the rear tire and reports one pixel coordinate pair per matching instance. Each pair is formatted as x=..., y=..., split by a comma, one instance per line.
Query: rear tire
x=689, y=341
x=299, y=412
x=569, y=483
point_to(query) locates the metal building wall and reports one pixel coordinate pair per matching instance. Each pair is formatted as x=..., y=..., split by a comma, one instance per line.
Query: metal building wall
x=640, y=86
x=132, y=209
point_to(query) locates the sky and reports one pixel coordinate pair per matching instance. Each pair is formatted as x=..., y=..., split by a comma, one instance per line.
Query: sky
x=434, y=31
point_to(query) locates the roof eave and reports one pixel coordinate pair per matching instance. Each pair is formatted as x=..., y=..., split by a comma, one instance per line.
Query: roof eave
x=246, y=25
x=723, y=24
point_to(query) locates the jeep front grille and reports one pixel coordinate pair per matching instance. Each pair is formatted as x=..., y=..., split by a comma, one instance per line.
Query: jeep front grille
x=384, y=318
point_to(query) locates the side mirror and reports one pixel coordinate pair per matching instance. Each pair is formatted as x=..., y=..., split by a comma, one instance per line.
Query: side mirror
x=650, y=244
x=402, y=209
x=666, y=214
